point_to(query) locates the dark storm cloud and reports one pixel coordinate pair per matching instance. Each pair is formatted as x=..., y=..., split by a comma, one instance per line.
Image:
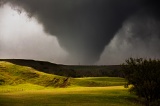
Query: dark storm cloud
x=85, y=27
x=139, y=37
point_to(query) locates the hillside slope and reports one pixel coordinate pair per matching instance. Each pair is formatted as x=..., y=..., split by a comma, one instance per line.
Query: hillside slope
x=70, y=70
x=12, y=74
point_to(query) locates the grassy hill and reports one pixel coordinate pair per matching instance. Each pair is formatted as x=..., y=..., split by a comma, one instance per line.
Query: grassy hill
x=69, y=70
x=24, y=85
x=13, y=74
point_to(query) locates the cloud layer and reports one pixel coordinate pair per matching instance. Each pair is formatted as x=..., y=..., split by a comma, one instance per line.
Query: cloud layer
x=21, y=37
x=84, y=28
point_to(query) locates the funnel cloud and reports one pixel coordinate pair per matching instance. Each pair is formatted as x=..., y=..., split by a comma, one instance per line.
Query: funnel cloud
x=139, y=37
x=87, y=28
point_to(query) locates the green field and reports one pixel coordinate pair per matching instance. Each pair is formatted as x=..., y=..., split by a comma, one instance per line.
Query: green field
x=72, y=96
x=98, y=81
x=25, y=86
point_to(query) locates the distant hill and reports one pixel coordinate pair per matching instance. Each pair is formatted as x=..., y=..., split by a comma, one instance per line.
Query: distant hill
x=70, y=70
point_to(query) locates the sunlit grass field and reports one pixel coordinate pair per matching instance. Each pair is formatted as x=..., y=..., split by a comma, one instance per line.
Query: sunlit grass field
x=25, y=86
x=98, y=81
x=33, y=95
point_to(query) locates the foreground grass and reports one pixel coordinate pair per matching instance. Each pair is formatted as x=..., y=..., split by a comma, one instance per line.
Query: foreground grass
x=74, y=96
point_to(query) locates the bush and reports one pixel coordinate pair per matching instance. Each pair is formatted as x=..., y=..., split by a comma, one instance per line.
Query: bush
x=144, y=75
x=2, y=81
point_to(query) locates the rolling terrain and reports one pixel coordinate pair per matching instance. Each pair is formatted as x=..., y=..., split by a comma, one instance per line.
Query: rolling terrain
x=21, y=85
x=13, y=74
x=70, y=70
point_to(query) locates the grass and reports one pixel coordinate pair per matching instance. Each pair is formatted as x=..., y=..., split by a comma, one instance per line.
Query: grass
x=11, y=74
x=20, y=87
x=25, y=86
x=69, y=70
x=98, y=81
x=72, y=96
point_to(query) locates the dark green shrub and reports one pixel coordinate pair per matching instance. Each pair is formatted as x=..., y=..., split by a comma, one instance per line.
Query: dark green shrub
x=2, y=81
x=144, y=75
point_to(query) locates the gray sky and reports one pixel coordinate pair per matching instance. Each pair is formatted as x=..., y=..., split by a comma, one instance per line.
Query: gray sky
x=79, y=31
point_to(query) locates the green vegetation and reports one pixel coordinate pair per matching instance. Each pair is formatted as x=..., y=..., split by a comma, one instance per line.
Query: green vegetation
x=95, y=71
x=69, y=70
x=144, y=75
x=74, y=96
x=20, y=88
x=98, y=81
x=11, y=74
x=25, y=86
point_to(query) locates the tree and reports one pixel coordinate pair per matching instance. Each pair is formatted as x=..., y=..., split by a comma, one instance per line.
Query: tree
x=144, y=75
